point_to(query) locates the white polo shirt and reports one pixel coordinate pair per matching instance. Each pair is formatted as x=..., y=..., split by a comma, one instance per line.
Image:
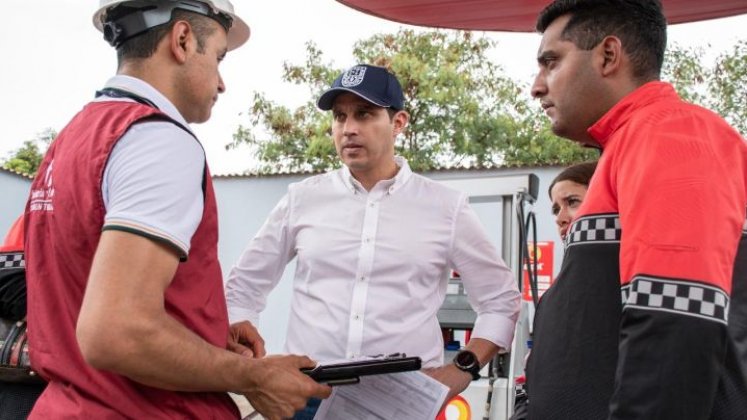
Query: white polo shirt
x=152, y=183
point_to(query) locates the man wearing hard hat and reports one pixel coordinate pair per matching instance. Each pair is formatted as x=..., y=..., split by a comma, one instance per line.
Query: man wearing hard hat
x=126, y=311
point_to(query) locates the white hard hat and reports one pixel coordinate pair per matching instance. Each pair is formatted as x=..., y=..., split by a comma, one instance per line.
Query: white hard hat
x=151, y=13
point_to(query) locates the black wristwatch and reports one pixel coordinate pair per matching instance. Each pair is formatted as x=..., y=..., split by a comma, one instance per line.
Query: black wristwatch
x=467, y=361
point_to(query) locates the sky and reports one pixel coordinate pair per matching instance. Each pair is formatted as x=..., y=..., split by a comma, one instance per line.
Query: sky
x=54, y=61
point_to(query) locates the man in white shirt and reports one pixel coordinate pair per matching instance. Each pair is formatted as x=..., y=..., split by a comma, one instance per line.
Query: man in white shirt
x=374, y=244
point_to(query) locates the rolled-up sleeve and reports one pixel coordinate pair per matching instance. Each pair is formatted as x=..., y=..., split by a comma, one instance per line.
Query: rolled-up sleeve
x=491, y=289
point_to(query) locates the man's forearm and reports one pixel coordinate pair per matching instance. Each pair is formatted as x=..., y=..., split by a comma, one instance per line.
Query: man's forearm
x=483, y=349
x=123, y=325
x=162, y=353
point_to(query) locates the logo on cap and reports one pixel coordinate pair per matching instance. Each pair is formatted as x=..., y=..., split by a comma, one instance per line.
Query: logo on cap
x=353, y=77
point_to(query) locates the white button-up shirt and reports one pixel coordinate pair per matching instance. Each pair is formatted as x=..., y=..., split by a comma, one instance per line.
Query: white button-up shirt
x=373, y=267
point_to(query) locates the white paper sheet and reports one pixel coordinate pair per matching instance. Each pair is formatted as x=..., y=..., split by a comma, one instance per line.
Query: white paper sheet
x=400, y=396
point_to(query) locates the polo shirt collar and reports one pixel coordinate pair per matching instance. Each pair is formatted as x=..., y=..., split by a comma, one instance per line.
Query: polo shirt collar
x=145, y=90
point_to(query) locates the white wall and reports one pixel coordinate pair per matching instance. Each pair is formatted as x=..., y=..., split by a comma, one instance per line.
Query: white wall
x=14, y=189
x=243, y=206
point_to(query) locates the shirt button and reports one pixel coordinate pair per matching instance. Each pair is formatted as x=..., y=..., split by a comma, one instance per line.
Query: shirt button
x=372, y=204
x=367, y=240
x=356, y=317
x=363, y=278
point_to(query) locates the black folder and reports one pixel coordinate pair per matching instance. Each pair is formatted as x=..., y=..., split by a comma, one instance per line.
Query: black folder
x=350, y=372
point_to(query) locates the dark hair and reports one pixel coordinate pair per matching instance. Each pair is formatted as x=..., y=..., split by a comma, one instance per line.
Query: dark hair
x=640, y=25
x=144, y=45
x=580, y=174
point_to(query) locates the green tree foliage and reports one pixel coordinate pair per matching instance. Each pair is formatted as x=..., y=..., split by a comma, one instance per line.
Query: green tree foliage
x=684, y=69
x=463, y=110
x=721, y=86
x=728, y=86
x=27, y=158
x=292, y=140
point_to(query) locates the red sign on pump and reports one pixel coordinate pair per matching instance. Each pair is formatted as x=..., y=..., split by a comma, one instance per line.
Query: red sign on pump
x=544, y=257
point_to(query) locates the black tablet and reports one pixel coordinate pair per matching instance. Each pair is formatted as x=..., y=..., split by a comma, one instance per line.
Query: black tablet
x=350, y=372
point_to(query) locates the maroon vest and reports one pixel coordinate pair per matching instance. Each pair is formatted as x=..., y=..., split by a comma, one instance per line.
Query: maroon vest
x=64, y=218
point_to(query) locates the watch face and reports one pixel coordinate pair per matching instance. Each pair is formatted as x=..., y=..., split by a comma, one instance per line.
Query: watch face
x=466, y=359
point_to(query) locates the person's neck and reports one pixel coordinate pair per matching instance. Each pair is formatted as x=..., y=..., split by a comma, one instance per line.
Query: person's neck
x=159, y=77
x=369, y=179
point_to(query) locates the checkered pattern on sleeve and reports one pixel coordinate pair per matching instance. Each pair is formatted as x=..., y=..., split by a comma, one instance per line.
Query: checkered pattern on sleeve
x=12, y=260
x=594, y=229
x=676, y=296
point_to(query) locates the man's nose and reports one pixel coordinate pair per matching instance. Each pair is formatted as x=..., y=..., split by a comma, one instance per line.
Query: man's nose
x=350, y=127
x=539, y=88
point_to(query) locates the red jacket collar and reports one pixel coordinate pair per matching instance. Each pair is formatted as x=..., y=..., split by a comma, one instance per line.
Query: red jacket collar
x=619, y=114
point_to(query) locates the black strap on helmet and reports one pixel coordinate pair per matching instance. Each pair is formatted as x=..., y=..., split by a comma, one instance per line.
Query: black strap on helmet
x=129, y=19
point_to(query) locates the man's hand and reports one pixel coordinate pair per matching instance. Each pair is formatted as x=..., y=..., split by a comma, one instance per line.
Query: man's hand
x=457, y=380
x=280, y=388
x=245, y=340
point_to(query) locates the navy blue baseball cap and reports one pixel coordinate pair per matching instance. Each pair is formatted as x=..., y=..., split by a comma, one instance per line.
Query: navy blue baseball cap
x=372, y=83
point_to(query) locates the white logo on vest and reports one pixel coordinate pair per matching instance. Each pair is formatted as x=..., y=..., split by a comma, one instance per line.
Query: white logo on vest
x=353, y=77
x=41, y=199
x=48, y=175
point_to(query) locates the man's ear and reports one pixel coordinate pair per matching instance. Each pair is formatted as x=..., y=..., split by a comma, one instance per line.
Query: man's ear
x=180, y=40
x=400, y=120
x=611, y=55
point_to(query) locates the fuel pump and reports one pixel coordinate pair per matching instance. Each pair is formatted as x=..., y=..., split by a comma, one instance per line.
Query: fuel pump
x=492, y=396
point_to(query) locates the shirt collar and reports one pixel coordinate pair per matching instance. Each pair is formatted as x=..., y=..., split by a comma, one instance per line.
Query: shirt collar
x=144, y=89
x=391, y=185
x=619, y=114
